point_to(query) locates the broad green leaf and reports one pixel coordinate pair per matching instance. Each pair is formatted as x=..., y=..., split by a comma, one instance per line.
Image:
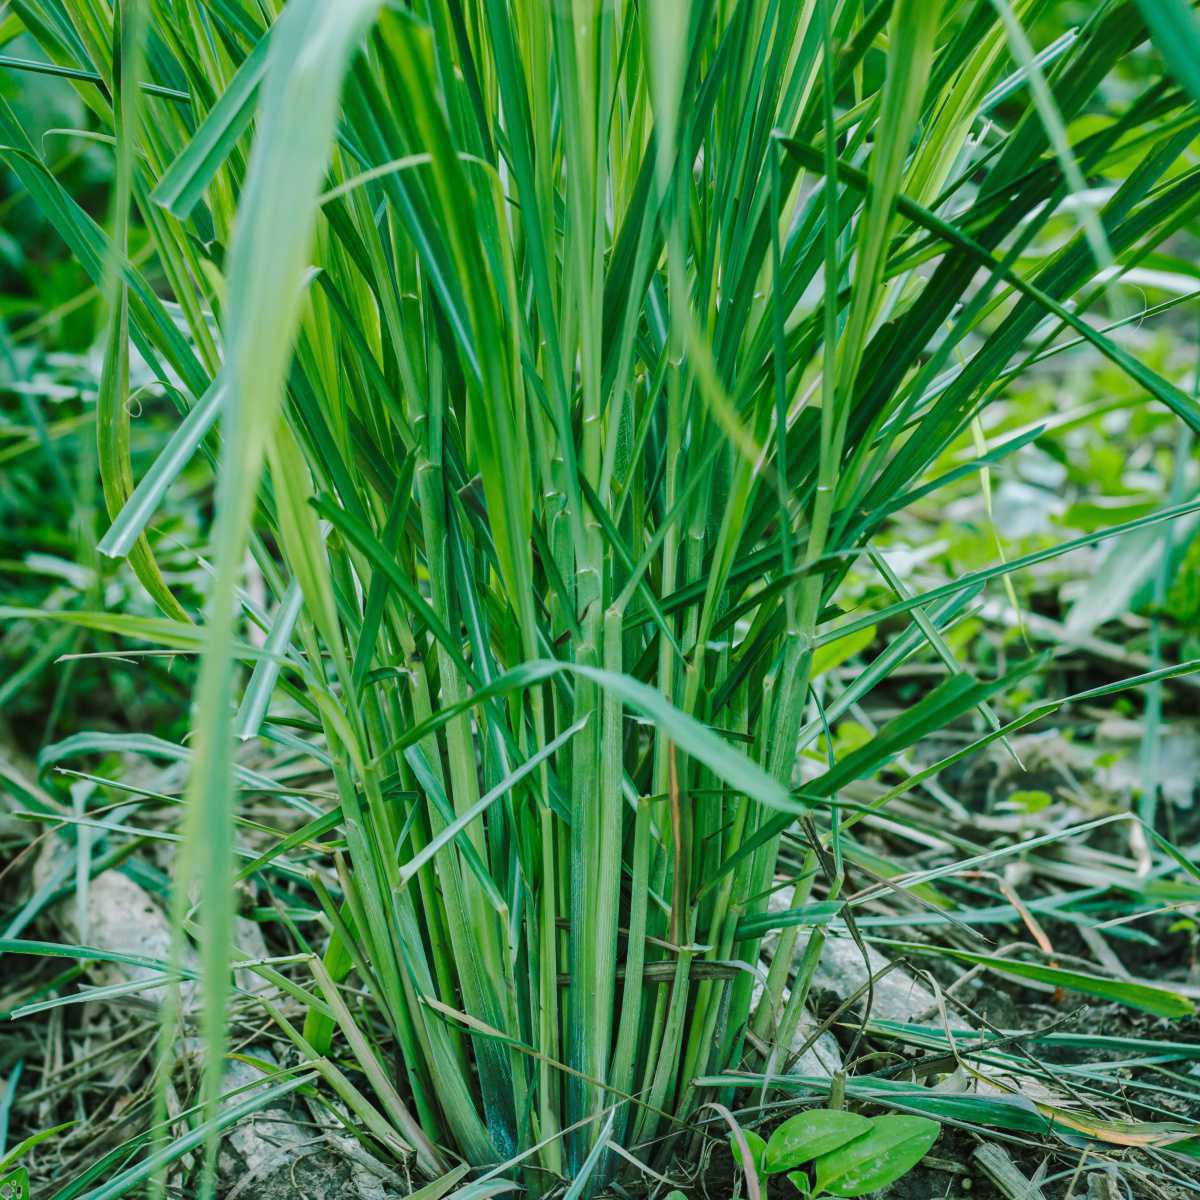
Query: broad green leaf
x=758, y=1149
x=891, y=1148
x=809, y=1135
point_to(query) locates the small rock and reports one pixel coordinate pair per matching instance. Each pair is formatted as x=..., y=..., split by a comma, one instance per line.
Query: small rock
x=123, y=918
x=897, y=995
x=1102, y=1185
x=822, y=1058
x=778, y=901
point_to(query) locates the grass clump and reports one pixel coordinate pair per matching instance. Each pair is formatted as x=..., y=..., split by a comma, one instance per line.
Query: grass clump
x=560, y=363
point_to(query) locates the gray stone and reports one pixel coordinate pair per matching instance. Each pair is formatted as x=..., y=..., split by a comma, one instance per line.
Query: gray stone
x=897, y=995
x=822, y=1058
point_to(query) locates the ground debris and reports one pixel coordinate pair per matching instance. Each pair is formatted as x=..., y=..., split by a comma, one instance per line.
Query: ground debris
x=997, y=1164
x=279, y=1153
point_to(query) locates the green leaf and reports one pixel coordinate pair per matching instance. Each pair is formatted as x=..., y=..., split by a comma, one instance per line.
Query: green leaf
x=694, y=738
x=35, y=1139
x=1175, y=30
x=757, y=1148
x=185, y=180
x=309, y=53
x=257, y=697
x=131, y=520
x=730, y=764
x=112, y=404
x=892, y=1147
x=1183, y=405
x=84, y=953
x=810, y=1134
x=1159, y=1001
x=833, y=654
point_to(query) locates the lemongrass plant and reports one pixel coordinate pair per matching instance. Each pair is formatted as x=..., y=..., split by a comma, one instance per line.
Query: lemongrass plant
x=560, y=359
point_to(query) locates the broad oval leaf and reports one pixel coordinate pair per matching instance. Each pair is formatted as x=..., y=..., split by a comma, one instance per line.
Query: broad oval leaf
x=757, y=1149
x=894, y=1145
x=810, y=1134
